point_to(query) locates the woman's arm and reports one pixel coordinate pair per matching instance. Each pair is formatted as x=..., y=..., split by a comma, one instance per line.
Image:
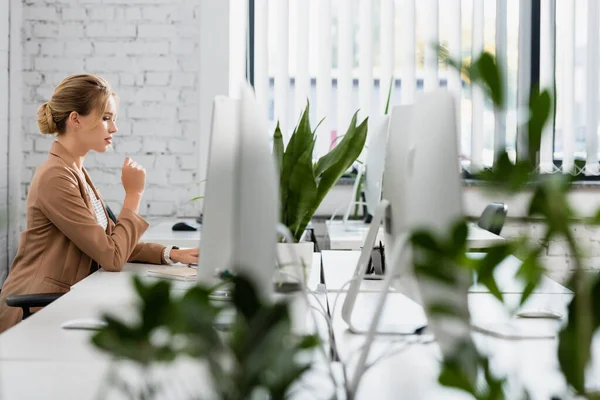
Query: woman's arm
x=60, y=199
x=150, y=253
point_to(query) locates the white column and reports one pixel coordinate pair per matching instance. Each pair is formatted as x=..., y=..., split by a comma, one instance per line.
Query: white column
x=282, y=76
x=477, y=93
x=567, y=99
x=387, y=51
x=302, y=78
x=15, y=158
x=408, y=48
x=501, y=60
x=591, y=165
x=365, y=59
x=547, y=76
x=344, y=79
x=213, y=74
x=324, y=77
x=238, y=14
x=455, y=53
x=261, y=52
x=431, y=36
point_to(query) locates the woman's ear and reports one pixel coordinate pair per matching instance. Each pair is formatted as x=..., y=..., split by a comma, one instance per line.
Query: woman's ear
x=74, y=120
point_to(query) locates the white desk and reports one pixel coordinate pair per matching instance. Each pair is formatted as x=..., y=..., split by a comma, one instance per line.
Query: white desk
x=339, y=266
x=163, y=233
x=351, y=236
x=414, y=371
x=38, y=359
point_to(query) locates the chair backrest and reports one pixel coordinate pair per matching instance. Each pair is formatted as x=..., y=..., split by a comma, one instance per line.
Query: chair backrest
x=492, y=218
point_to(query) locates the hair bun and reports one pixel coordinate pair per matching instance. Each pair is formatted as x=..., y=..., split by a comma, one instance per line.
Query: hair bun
x=45, y=120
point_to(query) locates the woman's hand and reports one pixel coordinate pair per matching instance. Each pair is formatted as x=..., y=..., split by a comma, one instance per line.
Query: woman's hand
x=133, y=177
x=185, y=256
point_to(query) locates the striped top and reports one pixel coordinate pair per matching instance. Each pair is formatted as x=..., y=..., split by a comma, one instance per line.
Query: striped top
x=100, y=214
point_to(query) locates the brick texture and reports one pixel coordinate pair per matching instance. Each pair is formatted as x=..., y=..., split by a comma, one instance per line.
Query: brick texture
x=148, y=50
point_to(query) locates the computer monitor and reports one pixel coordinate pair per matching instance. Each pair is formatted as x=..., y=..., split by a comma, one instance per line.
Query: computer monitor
x=394, y=158
x=375, y=162
x=422, y=190
x=241, y=201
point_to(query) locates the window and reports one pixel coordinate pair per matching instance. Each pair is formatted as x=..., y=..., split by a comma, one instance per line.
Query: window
x=353, y=48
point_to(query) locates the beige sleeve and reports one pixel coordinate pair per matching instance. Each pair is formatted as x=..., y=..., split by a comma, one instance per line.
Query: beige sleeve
x=59, y=198
x=150, y=253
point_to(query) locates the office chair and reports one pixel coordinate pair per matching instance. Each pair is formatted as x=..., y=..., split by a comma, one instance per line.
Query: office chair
x=492, y=218
x=28, y=301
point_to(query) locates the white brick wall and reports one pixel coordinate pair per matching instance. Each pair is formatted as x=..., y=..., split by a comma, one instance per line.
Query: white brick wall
x=148, y=50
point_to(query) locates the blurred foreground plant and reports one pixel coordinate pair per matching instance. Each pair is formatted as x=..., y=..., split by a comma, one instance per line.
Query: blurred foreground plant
x=548, y=203
x=259, y=353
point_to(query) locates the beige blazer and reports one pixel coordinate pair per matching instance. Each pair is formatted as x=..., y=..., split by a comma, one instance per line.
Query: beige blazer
x=63, y=236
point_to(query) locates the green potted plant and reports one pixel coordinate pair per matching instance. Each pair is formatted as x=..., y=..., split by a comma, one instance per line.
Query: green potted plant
x=303, y=183
x=260, y=357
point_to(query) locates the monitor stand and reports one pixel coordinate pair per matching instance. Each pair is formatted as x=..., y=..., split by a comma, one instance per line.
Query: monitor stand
x=360, y=273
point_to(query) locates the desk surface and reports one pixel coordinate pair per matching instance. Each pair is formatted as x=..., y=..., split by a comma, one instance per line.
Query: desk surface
x=163, y=233
x=37, y=356
x=352, y=234
x=413, y=371
x=339, y=266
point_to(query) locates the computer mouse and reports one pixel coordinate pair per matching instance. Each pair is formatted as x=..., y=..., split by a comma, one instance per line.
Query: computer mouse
x=539, y=313
x=184, y=226
x=84, y=323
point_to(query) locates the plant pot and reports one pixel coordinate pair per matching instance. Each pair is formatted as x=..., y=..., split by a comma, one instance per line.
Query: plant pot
x=294, y=261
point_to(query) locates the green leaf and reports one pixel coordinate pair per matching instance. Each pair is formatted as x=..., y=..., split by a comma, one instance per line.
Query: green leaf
x=448, y=310
x=426, y=241
x=530, y=273
x=487, y=265
x=389, y=96
x=301, y=139
x=488, y=72
x=574, y=344
x=278, y=148
x=457, y=245
x=540, y=105
x=302, y=191
x=335, y=163
x=245, y=297
x=156, y=303
x=334, y=155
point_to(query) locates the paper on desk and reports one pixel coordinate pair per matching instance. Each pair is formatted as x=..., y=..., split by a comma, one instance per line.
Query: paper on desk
x=175, y=273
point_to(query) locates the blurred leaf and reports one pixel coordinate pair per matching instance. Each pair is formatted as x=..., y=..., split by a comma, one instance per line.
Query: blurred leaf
x=425, y=240
x=447, y=310
x=574, y=344
x=530, y=272
x=487, y=265
x=460, y=369
x=457, y=245
x=540, y=105
x=488, y=73
x=245, y=297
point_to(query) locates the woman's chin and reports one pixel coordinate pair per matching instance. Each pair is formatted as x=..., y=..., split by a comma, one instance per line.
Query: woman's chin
x=105, y=148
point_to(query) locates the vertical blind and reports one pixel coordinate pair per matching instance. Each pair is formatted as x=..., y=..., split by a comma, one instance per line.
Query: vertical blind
x=326, y=51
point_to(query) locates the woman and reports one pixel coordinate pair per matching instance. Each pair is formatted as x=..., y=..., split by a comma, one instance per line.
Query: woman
x=68, y=234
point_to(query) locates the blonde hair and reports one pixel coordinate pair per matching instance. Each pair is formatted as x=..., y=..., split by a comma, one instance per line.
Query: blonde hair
x=82, y=93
